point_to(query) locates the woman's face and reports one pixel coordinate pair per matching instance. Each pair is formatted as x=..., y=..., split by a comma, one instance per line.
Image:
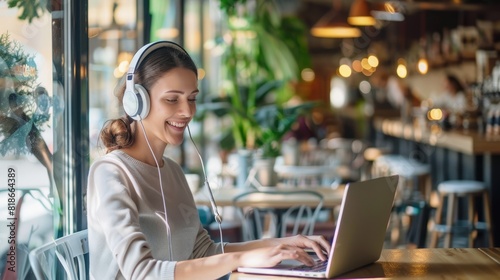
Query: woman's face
x=173, y=105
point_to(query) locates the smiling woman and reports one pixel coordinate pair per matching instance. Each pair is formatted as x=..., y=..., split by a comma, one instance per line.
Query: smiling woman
x=158, y=95
x=142, y=219
x=135, y=87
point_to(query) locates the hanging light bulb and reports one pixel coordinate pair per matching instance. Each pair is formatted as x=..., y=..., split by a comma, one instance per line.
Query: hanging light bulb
x=388, y=11
x=401, y=69
x=423, y=66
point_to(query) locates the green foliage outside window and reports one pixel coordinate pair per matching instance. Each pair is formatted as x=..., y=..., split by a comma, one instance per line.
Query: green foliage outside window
x=30, y=9
x=264, y=52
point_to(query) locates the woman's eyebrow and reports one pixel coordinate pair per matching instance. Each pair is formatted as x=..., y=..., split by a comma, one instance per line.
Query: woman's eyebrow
x=180, y=91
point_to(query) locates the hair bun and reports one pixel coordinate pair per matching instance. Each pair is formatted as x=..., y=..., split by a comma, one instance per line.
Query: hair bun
x=117, y=134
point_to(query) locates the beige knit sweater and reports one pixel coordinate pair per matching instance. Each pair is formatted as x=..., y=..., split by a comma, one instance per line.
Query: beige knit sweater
x=127, y=233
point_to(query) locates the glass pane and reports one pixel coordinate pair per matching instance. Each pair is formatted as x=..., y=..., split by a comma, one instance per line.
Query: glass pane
x=165, y=19
x=166, y=25
x=213, y=129
x=192, y=44
x=31, y=112
x=112, y=43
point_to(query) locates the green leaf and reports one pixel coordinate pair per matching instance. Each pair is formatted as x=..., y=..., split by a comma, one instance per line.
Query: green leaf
x=30, y=9
x=259, y=69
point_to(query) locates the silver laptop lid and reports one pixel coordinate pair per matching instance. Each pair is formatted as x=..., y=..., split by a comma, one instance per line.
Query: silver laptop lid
x=360, y=232
x=362, y=224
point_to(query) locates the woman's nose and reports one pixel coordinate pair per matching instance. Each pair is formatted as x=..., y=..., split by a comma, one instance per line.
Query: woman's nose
x=186, y=109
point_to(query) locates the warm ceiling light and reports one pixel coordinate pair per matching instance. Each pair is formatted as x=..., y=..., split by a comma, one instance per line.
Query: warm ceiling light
x=334, y=25
x=307, y=74
x=345, y=71
x=360, y=14
x=373, y=61
x=423, y=66
x=401, y=71
x=356, y=66
x=388, y=11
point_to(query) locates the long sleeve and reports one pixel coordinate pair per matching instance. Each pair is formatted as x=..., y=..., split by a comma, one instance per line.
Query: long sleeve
x=128, y=220
x=204, y=246
x=114, y=215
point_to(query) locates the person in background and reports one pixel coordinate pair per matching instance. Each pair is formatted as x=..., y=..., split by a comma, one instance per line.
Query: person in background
x=453, y=98
x=142, y=219
x=452, y=101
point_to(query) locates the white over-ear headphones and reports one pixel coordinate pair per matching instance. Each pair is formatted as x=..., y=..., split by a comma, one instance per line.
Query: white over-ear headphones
x=136, y=102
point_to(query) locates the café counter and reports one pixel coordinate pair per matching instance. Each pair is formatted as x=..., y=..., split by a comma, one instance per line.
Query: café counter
x=470, y=142
x=452, y=154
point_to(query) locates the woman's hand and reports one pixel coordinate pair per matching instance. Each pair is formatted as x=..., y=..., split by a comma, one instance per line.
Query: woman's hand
x=271, y=256
x=270, y=251
x=316, y=242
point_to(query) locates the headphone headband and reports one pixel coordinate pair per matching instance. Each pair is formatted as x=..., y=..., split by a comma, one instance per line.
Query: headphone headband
x=143, y=52
x=136, y=98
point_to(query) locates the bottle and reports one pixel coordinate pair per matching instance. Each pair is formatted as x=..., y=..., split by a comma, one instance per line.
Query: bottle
x=496, y=121
x=490, y=121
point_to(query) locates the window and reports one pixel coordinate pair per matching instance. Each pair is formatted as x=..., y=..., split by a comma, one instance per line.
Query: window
x=113, y=40
x=43, y=148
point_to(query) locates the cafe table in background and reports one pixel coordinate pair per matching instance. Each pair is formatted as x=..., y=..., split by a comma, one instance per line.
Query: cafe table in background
x=332, y=197
x=436, y=263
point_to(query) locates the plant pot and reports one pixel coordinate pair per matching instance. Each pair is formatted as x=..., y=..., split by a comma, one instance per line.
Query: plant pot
x=291, y=152
x=244, y=164
x=265, y=173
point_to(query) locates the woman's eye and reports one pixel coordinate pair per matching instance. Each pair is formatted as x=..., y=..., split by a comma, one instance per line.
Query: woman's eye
x=192, y=99
x=171, y=100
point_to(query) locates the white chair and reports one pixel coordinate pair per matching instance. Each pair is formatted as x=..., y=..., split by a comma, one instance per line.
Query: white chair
x=67, y=252
x=271, y=220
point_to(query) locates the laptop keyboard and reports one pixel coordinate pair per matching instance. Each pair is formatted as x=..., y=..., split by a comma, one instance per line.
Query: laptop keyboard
x=318, y=266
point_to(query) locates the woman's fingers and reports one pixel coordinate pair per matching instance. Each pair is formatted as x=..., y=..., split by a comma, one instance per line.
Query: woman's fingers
x=320, y=247
x=296, y=253
x=305, y=258
x=318, y=243
x=289, y=248
x=271, y=256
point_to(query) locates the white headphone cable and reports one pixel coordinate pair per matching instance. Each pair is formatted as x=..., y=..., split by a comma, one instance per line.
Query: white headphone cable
x=169, y=233
x=218, y=217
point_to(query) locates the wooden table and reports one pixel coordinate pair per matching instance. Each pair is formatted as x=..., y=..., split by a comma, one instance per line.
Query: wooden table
x=493, y=253
x=224, y=197
x=458, y=263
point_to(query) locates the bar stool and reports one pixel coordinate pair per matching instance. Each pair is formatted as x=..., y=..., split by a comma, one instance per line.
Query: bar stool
x=454, y=189
x=409, y=170
x=411, y=207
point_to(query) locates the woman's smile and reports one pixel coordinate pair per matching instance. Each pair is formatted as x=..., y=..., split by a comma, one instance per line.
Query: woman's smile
x=177, y=124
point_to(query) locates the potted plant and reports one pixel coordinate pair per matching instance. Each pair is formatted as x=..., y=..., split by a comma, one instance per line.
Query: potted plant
x=260, y=61
x=275, y=122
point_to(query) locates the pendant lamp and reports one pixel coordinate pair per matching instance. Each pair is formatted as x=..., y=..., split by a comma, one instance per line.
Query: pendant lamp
x=334, y=25
x=360, y=14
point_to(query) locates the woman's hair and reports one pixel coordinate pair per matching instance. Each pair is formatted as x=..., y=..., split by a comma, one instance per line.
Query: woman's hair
x=119, y=133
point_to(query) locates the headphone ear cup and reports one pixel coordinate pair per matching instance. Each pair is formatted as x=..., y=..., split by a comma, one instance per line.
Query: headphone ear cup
x=144, y=101
x=136, y=102
x=131, y=103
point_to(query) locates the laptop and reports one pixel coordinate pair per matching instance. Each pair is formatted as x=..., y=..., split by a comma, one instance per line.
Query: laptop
x=359, y=235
